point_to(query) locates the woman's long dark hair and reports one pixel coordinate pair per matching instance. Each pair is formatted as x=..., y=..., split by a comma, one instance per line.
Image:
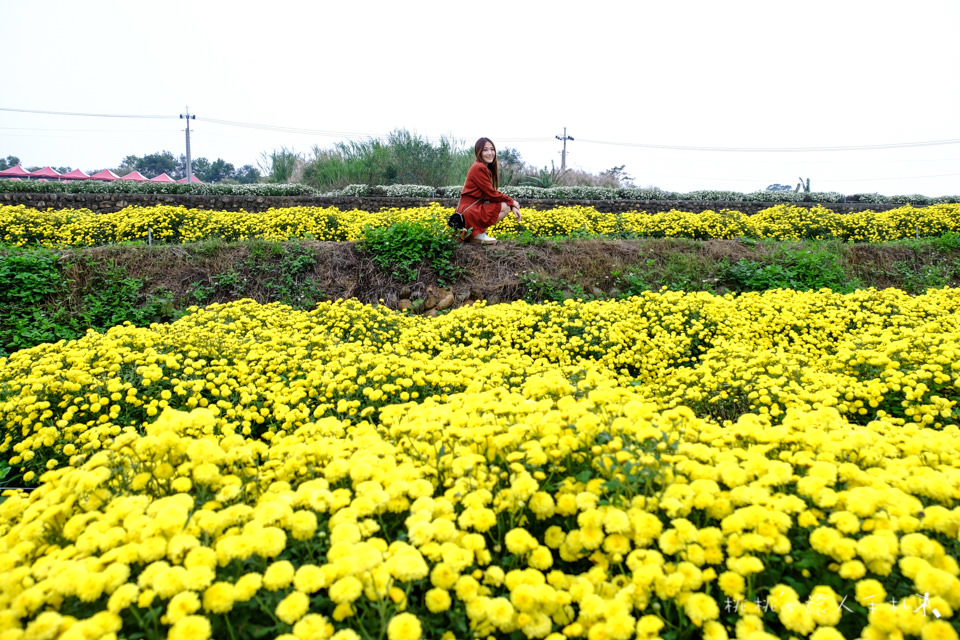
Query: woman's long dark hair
x=493, y=166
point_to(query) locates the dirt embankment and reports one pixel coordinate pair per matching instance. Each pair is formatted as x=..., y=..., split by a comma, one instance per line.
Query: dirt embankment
x=205, y=273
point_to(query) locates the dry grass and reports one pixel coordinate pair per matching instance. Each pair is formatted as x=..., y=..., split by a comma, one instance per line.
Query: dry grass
x=496, y=274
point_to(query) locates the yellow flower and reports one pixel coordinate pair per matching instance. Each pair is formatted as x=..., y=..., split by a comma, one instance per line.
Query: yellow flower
x=938, y=630
x=500, y=612
x=190, y=628
x=44, y=626
x=437, y=600
x=649, y=625
x=293, y=607
x=826, y=633
x=519, y=541
x=247, y=586
x=404, y=626
x=407, y=564
x=700, y=608
x=310, y=578
x=313, y=626
x=279, y=575
x=346, y=589
x=732, y=584
x=746, y=565
x=303, y=525
x=713, y=630
x=219, y=597
x=181, y=606
x=270, y=542
x=539, y=625
x=541, y=559
x=123, y=597
x=542, y=505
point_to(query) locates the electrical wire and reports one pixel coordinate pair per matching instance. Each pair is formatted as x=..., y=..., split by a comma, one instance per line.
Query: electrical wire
x=641, y=145
x=861, y=147
x=90, y=115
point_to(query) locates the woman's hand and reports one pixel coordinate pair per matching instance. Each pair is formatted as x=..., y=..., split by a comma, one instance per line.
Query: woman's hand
x=516, y=212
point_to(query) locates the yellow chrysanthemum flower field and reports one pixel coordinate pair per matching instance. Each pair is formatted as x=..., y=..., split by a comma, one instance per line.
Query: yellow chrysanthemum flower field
x=675, y=465
x=20, y=225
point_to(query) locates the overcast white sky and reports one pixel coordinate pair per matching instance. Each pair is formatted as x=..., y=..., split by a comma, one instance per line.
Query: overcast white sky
x=709, y=74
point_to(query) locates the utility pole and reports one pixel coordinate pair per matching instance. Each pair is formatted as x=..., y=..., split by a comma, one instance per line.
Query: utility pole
x=188, y=117
x=563, y=156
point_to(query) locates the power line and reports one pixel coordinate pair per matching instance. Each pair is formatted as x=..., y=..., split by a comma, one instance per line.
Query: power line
x=89, y=115
x=862, y=147
x=641, y=145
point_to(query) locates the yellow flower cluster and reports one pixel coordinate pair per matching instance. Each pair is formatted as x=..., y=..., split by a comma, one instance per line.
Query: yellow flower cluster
x=271, y=369
x=493, y=512
x=540, y=470
x=20, y=225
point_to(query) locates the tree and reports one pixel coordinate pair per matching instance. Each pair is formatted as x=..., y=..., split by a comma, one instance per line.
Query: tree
x=154, y=164
x=219, y=170
x=778, y=187
x=199, y=166
x=247, y=174
x=9, y=161
x=127, y=165
x=803, y=187
x=619, y=175
x=511, y=166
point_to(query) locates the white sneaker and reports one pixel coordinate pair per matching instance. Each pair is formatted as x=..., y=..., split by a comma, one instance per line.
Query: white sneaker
x=483, y=238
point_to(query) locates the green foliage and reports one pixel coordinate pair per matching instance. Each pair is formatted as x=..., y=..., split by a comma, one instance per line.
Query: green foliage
x=360, y=170
x=291, y=282
x=38, y=304
x=28, y=279
x=402, y=159
x=540, y=287
x=544, y=178
x=156, y=164
x=802, y=267
x=918, y=277
x=111, y=296
x=685, y=272
x=405, y=246
x=633, y=281
x=129, y=186
x=949, y=241
x=280, y=164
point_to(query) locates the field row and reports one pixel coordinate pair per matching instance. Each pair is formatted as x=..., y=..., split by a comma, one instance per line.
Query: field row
x=22, y=226
x=676, y=464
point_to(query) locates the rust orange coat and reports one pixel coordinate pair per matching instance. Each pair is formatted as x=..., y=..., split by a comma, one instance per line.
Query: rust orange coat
x=478, y=189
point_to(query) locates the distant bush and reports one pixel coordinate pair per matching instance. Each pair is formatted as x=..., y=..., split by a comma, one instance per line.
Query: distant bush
x=127, y=186
x=453, y=191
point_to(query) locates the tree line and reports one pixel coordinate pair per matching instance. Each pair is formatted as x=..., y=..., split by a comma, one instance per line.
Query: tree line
x=401, y=158
x=407, y=158
x=155, y=164
x=162, y=162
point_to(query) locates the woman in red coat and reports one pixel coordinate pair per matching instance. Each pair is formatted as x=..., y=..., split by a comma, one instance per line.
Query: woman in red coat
x=480, y=203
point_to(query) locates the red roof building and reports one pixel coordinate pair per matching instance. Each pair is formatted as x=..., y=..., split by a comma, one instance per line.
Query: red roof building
x=15, y=171
x=76, y=174
x=106, y=175
x=46, y=172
